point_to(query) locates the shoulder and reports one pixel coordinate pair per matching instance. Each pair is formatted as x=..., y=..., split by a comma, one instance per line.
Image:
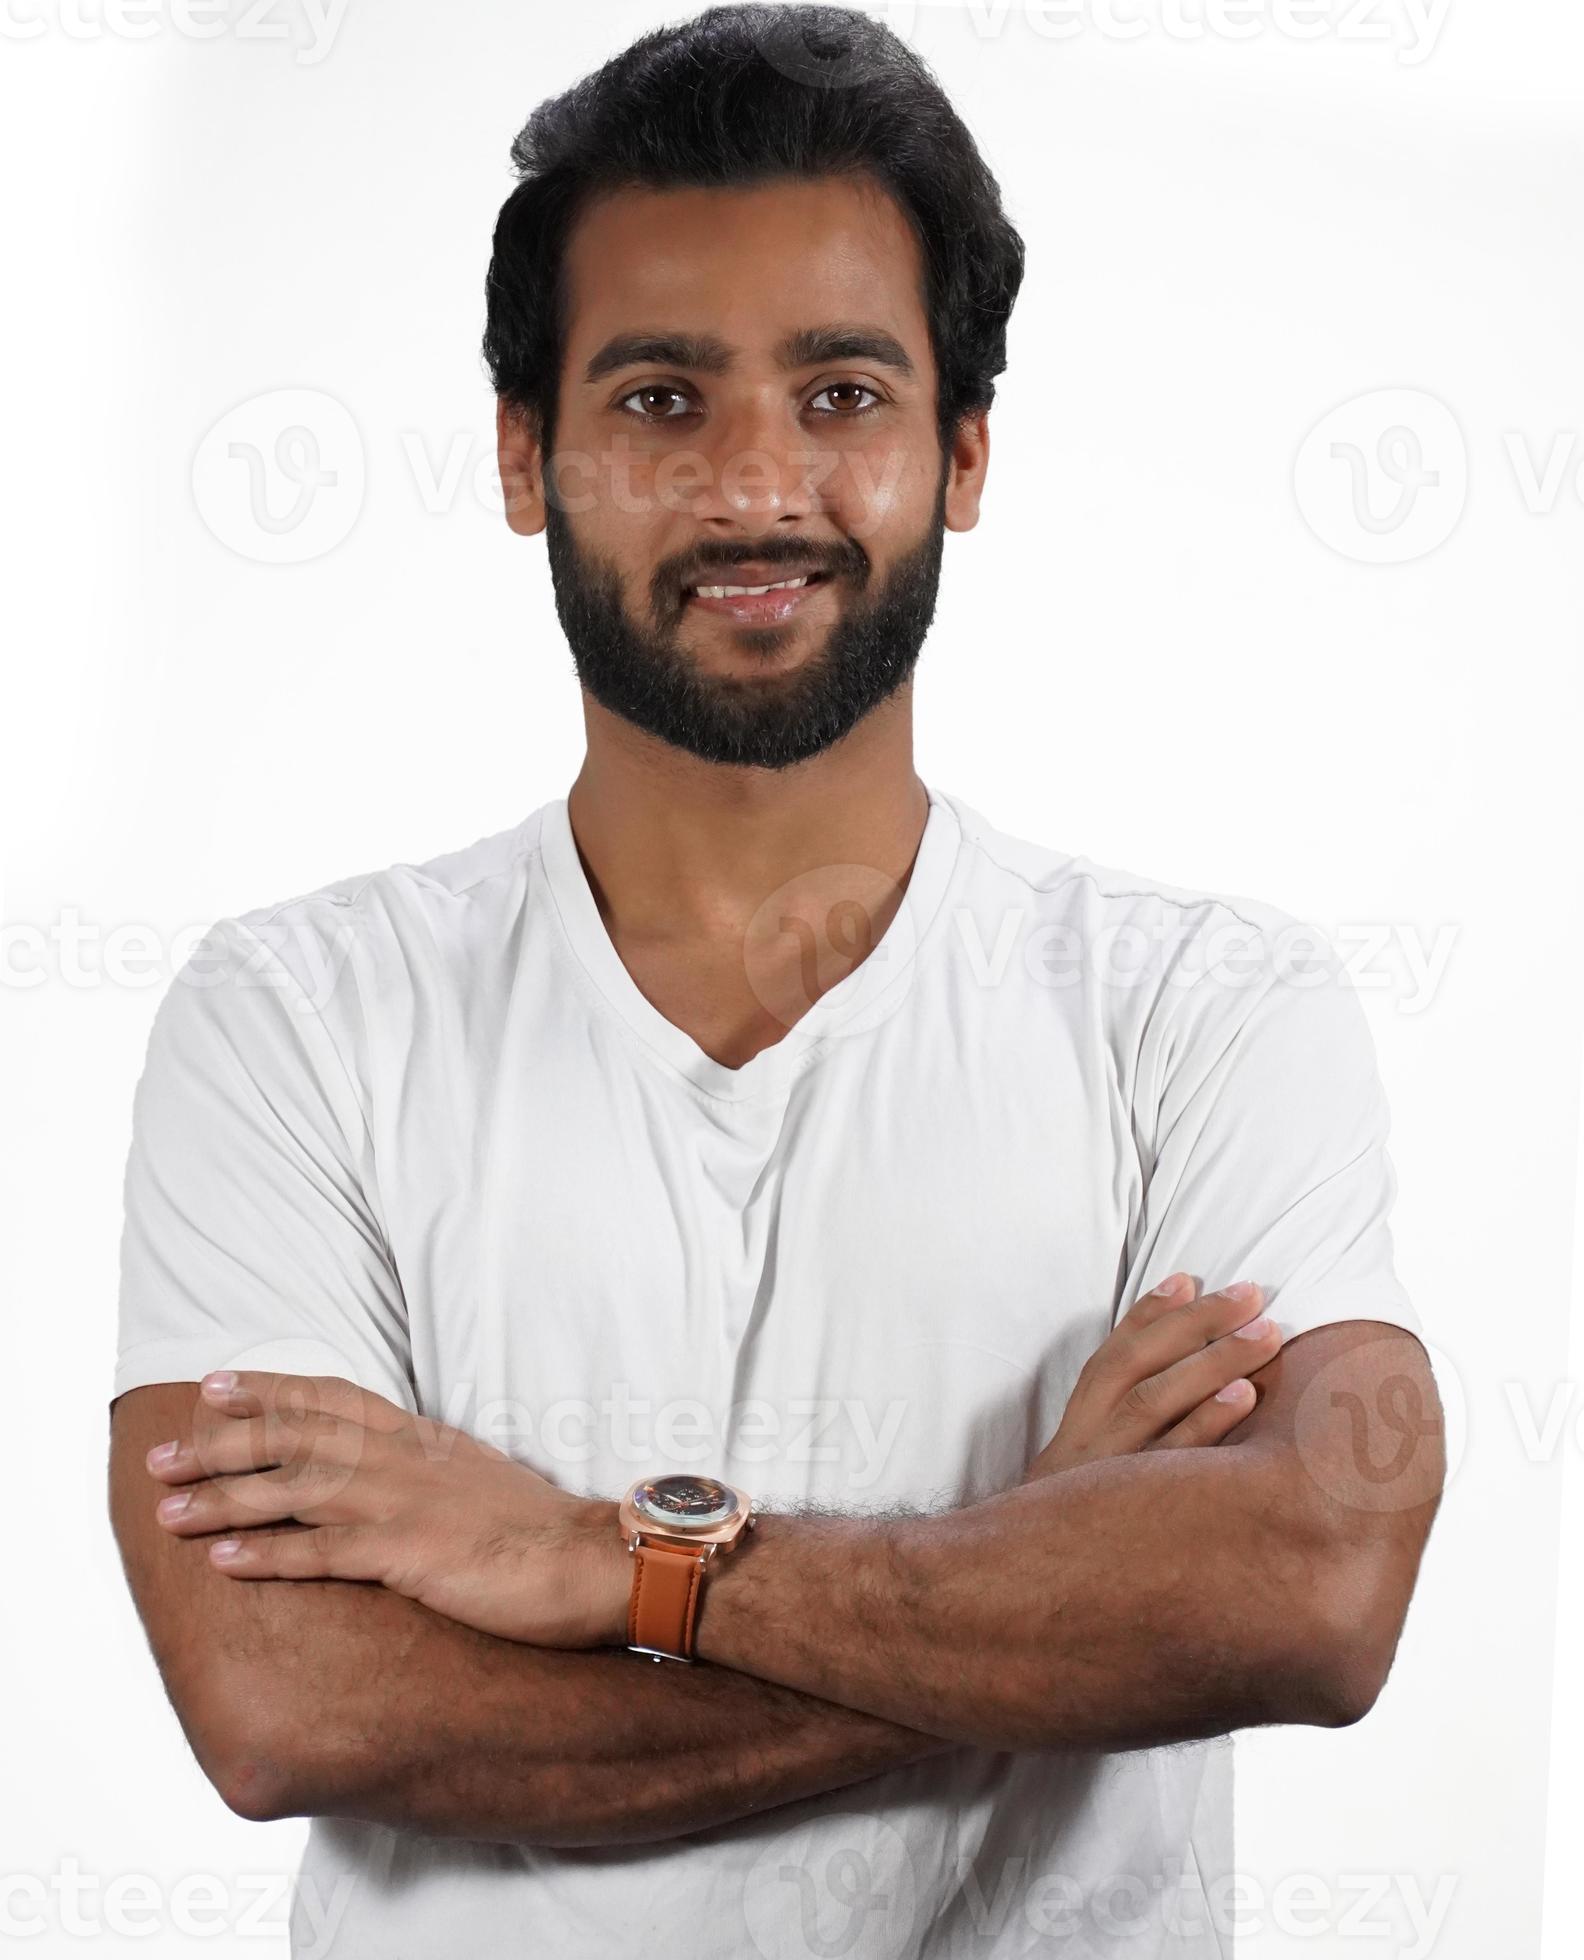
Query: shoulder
x=1119, y=920
x=1199, y=1000
x=363, y=951
x=434, y=913
x=1173, y=984
x=439, y=896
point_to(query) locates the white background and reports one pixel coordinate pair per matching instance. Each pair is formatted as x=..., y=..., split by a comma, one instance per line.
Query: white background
x=1147, y=651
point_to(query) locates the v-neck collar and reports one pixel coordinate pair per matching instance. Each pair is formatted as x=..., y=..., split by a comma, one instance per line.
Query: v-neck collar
x=859, y=1000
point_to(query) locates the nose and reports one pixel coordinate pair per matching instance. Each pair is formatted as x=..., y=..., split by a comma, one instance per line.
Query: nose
x=758, y=463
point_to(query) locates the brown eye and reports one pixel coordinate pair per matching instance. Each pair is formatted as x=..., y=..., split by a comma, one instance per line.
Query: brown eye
x=657, y=388
x=851, y=388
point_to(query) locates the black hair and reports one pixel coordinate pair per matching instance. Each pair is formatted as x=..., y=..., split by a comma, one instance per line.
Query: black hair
x=741, y=95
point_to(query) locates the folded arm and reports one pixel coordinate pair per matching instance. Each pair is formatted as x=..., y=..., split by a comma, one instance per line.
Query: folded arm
x=346, y=1699
x=1130, y=1602
x=577, y=1748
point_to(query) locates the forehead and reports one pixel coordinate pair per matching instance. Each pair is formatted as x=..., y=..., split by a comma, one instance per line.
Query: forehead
x=744, y=263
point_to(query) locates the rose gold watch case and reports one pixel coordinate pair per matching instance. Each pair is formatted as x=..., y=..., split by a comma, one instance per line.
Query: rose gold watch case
x=707, y=1539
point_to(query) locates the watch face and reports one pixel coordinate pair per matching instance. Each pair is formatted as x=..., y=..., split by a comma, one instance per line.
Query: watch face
x=684, y=1503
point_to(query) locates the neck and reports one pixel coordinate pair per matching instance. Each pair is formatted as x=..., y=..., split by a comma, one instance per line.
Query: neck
x=678, y=849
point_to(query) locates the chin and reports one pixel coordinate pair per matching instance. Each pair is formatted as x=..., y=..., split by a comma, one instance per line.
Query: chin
x=763, y=650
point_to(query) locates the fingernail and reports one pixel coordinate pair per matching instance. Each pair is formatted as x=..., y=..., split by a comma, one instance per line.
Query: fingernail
x=1245, y=1289
x=161, y=1453
x=220, y=1383
x=1255, y=1330
x=1168, y=1287
x=172, y=1507
x=224, y=1548
x=1234, y=1391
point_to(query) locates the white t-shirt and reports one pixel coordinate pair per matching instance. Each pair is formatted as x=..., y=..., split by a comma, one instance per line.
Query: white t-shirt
x=421, y=1129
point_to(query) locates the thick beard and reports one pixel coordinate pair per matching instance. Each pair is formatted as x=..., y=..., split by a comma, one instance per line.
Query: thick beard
x=769, y=723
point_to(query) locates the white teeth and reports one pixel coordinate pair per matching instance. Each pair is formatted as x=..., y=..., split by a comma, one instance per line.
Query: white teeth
x=745, y=591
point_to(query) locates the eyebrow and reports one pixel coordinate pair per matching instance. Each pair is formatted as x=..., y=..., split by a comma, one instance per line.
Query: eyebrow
x=703, y=353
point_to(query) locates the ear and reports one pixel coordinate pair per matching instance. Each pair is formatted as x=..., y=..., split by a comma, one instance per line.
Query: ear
x=970, y=458
x=521, y=469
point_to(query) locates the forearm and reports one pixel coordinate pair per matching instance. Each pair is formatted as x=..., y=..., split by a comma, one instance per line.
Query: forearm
x=408, y=1719
x=1137, y=1601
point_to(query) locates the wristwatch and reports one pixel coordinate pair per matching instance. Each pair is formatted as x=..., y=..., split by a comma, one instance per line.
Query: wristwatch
x=674, y=1525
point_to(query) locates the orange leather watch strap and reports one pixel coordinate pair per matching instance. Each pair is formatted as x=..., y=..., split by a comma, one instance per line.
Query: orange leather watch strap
x=663, y=1605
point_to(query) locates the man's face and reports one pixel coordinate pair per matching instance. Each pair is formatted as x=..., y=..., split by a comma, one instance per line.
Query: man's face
x=733, y=456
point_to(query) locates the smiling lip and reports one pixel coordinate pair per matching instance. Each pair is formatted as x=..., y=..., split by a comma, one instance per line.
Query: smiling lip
x=764, y=608
x=756, y=572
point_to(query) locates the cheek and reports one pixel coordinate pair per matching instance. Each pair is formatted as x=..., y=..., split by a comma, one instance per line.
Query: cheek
x=610, y=485
x=878, y=488
x=634, y=481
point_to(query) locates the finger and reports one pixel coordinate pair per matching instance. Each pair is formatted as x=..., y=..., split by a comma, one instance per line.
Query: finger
x=1176, y=1291
x=1224, y=1310
x=1137, y=1350
x=325, y=1552
x=1159, y=1400
x=305, y=1490
x=1216, y=1416
x=1186, y=1383
x=257, y=1443
x=253, y=1391
x=1153, y=1404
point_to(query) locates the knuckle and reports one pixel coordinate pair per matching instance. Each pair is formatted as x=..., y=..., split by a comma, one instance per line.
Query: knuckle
x=298, y=1436
x=208, y=1458
x=340, y=1399
x=1142, y=1399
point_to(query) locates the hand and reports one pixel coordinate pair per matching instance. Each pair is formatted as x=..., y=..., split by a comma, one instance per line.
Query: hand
x=1159, y=1380
x=361, y=1489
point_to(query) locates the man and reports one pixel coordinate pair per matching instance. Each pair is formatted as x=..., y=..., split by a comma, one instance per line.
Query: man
x=753, y=1212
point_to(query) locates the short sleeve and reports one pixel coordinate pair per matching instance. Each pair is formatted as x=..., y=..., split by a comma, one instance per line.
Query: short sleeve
x=251, y=1235
x=1268, y=1139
